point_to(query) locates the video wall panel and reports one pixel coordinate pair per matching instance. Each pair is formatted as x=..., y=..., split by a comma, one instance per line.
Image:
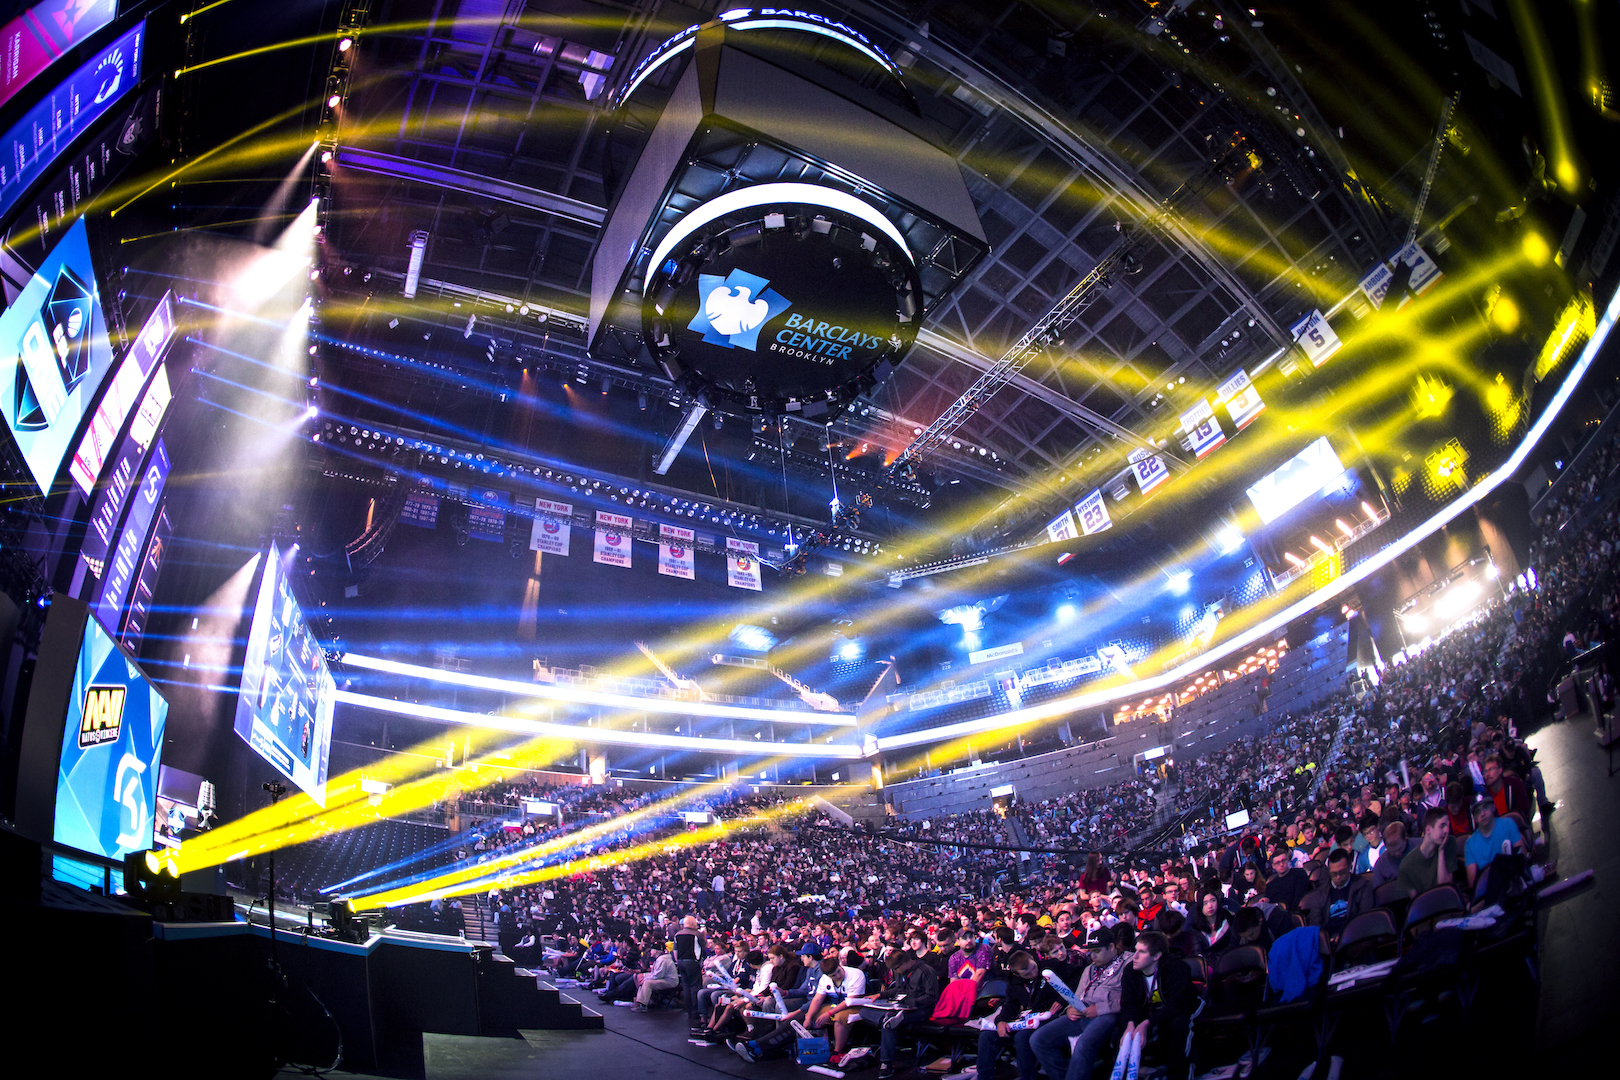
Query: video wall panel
x=284, y=706
x=112, y=743
x=55, y=355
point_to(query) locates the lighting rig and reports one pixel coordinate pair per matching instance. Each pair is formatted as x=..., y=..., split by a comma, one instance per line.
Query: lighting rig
x=845, y=519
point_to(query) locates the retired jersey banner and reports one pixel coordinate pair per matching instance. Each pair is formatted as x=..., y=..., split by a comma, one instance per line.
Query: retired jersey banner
x=1062, y=528
x=612, y=539
x=1094, y=513
x=1204, y=432
x=1241, y=399
x=486, y=516
x=675, y=552
x=1424, y=274
x=550, y=531
x=1315, y=337
x=742, y=564
x=1150, y=470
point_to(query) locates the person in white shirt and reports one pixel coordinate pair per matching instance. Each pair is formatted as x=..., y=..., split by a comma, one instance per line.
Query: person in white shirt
x=838, y=983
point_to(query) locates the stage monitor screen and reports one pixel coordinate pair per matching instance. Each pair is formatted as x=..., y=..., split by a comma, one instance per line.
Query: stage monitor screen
x=1300, y=477
x=73, y=106
x=284, y=706
x=45, y=32
x=54, y=344
x=185, y=803
x=107, y=776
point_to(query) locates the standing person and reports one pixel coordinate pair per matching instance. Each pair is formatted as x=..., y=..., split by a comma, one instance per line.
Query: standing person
x=690, y=949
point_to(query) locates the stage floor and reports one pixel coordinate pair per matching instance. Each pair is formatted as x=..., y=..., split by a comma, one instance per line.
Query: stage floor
x=1580, y=942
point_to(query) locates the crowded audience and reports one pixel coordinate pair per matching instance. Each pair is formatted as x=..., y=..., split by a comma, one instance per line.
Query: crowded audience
x=792, y=927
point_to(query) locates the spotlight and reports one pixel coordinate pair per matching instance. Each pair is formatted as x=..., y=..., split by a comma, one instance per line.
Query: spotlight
x=345, y=44
x=332, y=102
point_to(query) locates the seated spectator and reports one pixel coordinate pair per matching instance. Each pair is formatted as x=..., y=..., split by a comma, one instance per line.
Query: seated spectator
x=1158, y=1000
x=1095, y=1021
x=1338, y=899
x=1430, y=863
x=1494, y=838
x=1508, y=792
x=1214, y=922
x=1388, y=866
x=1289, y=883
x=661, y=976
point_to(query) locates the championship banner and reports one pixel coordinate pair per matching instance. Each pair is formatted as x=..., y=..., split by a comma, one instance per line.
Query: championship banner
x=675, y=552
x=550, y=531
x=1094, y=513
x=612, y=539
x=742, y=564
x=1062, y=528
x=1150, y=470
x=486, y=517
x=1315, y=337
x=421, y=509
x=1242, y=400
x=1203, y=430
x=1424, y=274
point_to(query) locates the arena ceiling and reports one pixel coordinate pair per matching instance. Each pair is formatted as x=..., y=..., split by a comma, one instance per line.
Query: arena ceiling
x=488, y=125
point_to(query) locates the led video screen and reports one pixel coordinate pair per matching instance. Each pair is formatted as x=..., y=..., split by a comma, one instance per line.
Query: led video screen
x=73, y=107
x=185, y=803
x=53, y=345
x=33, y=40
x=112, y=742
x=1300, y=477
x=284, y=705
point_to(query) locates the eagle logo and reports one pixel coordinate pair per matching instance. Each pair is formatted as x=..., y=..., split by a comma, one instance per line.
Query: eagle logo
x=734, y=308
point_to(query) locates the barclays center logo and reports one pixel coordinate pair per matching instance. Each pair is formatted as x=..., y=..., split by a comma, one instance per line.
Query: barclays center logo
x=734, y=308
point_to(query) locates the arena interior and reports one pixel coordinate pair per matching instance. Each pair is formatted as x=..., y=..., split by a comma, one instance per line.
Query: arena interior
x=582, y=539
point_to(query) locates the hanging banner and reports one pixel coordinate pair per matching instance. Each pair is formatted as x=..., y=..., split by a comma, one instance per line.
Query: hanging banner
x=612, y=539
x=550, y=532
x=486, y=516
x=1203, y=430
x=742, y=564
x=1062, y=528
x=1424, y=274
x=1150, y=470
x=1094, y=513
x=421, y=509
x=675, y=552
x=1241, y=399
x=1315, y=338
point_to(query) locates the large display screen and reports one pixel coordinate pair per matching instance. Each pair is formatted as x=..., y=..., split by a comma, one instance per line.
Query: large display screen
x=42, y=34
x=107, y=777
x=123, y=392
x=284, y=706
x=53, y=355
x=125, y=561
x=78, y=103
x=1300, y=477
x=185, y=803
